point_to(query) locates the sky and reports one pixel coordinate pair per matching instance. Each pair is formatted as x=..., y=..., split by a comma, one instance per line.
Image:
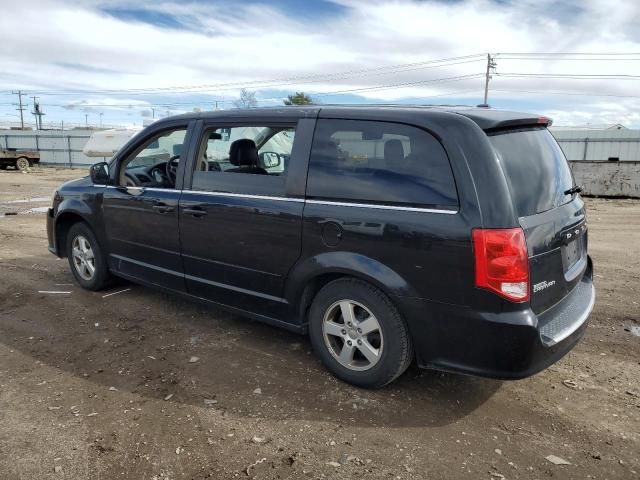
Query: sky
x=120, y=62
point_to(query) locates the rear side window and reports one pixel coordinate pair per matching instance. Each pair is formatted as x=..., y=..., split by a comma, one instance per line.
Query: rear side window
x=379, y=162
x=536, y=169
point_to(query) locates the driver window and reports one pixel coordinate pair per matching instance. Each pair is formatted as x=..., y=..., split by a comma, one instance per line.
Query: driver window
x=155, y=163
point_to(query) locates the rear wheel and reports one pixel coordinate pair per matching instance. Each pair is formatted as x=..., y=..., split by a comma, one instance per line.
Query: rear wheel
x=359, y=334
x=86, y=259
x=23, y=163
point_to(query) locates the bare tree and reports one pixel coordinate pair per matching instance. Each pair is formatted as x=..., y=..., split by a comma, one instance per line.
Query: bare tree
x=247, y=99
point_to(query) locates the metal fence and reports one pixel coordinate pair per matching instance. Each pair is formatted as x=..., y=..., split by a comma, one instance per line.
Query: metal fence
x=601, y=149
x=56, y=147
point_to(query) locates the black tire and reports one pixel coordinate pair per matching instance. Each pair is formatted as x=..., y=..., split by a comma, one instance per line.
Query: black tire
x=23, y=163
x=101, y=276
x=396, y=352
x=3, y=167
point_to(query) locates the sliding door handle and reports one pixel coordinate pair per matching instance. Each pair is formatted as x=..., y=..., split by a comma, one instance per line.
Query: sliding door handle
x=195, y=212
x=160, y=208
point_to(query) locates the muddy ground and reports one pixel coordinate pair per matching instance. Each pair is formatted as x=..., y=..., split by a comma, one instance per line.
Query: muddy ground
x=102, y=387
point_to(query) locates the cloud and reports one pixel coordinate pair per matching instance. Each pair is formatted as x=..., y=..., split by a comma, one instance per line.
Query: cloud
x=191, y=47
x=101, y=104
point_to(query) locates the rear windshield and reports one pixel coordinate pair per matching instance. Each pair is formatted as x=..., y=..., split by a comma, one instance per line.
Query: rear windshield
x=536, y=169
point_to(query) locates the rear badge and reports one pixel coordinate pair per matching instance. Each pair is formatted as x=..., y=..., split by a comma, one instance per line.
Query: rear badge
x=538, y=287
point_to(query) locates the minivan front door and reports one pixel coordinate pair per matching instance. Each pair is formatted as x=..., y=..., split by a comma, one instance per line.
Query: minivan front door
x=141, y=210
x=240, y=222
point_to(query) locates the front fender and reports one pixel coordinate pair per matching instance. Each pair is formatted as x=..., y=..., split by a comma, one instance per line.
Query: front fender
x=75, y=206
x=69, y=211
x=345, y=263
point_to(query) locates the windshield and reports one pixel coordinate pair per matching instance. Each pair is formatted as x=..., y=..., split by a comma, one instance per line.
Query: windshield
x=536, y=169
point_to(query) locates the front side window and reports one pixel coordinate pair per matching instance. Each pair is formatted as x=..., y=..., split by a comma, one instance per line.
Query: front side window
x=247, y=159
x=379, y=162
x=155, y=162
x=252, y=150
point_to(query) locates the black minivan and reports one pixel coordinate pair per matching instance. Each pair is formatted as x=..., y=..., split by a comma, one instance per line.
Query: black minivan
x=454, y=236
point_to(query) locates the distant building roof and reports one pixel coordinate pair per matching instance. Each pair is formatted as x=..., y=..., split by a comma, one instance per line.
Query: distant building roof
x=612, y=132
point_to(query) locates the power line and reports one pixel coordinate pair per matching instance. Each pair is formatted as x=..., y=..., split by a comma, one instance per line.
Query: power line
x=335, y=92
x=573, y=76
x=577, y=59
x=569, y=53
x=405, y=84
x=586, y=94
x=314, y=78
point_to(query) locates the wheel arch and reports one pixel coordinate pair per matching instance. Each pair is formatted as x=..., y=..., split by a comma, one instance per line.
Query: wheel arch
x=309, y=276
x=64, y=221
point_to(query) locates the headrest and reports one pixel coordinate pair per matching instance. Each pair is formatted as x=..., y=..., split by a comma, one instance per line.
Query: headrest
x=393, y=151
x=177, y=149
x=243, y=152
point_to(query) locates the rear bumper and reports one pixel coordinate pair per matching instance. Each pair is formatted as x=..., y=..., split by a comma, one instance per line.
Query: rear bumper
x=506, y=345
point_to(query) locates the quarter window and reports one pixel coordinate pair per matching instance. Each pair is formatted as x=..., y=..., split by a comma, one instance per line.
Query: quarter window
x=379, y=162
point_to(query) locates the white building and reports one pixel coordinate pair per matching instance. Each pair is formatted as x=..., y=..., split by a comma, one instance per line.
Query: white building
x=605, y=161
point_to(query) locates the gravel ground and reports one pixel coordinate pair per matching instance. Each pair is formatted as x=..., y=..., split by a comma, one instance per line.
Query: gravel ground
x=145, y=385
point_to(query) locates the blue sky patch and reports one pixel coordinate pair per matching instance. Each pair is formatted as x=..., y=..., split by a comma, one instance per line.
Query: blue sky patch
x=144, y=15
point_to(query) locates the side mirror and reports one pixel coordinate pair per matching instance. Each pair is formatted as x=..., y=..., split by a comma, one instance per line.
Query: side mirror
x=99, y=173
x=271, y=159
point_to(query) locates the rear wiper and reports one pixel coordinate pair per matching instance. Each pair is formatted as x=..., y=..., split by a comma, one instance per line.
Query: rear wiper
x=572, y=190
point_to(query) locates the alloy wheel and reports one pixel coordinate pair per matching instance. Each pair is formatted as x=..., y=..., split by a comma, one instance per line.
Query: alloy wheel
x=353, y=335
x=83, y=257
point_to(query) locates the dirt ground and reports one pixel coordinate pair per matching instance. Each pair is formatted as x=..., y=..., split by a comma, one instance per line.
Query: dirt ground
x=102, y=387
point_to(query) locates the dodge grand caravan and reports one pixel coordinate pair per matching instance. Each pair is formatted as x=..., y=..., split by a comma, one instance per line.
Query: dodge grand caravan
x=454, y=236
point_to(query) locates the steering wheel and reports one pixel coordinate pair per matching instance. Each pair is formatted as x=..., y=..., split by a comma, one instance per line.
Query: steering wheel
x=172, y=168
x=131, y=180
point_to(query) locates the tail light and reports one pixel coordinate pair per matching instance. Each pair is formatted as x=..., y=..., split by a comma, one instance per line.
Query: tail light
x=502, y=264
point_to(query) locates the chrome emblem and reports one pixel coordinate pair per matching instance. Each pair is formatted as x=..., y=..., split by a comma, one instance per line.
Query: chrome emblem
x=538, y=287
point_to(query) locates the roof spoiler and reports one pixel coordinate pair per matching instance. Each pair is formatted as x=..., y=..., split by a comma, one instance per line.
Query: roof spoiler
x=520, y=123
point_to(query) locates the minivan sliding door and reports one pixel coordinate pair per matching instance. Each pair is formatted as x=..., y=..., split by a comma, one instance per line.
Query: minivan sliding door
x=240, y=222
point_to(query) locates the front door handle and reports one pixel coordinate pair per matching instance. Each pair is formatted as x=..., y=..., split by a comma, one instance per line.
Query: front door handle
x=162, y=208
x=196, y=211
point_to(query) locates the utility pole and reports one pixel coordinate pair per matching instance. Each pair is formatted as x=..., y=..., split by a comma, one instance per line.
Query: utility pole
x=37, y=112
x=491, y=65
x=153, y=113
x=21, y=108
x=101, y=113
x=86, y=120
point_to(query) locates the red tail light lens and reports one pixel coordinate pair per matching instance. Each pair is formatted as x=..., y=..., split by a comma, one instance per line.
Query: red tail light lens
x=502, y=263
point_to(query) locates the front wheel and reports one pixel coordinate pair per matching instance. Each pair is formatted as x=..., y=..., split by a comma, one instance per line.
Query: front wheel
x=359, y=333
x=86, y=259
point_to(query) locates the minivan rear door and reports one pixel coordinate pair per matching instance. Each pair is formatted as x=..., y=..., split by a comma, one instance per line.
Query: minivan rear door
x=551, y=215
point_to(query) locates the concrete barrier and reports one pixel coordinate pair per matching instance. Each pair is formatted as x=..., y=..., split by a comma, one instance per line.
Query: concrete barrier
x=608, y=179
